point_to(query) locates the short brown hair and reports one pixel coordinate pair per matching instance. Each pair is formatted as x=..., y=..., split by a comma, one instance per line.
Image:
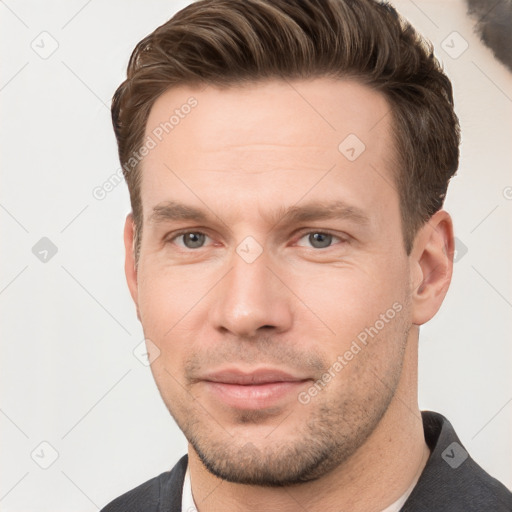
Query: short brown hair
x=228, y=42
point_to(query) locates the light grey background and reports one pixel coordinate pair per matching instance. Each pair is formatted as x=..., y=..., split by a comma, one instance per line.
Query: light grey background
x=69, y=377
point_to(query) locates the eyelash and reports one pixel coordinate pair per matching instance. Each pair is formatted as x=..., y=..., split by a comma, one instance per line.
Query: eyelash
x=299, y=236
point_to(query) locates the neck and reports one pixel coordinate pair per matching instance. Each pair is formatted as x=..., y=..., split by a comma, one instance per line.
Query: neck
x=376, y=475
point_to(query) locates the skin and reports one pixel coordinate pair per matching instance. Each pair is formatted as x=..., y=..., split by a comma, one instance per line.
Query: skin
x=243, y=157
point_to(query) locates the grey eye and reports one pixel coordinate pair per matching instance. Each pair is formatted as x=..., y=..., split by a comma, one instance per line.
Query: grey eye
x=193, y=240
x=320, y=240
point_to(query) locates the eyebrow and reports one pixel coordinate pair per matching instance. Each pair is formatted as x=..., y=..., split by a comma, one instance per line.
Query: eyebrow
x=174, y=211
x=323, y=211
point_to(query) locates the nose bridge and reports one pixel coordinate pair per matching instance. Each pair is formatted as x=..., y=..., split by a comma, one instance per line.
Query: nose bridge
x=250, y=297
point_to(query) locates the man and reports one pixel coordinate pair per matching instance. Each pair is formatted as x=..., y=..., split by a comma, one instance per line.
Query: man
x=287, y=164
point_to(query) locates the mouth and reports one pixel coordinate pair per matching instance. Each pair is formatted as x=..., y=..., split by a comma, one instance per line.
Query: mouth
x=259, y=389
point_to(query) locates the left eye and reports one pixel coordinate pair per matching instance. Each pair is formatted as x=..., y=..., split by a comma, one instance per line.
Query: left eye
x=318, y=240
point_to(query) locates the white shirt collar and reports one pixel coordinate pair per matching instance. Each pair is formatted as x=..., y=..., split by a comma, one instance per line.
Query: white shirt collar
x=187, y=500
x=188, y=504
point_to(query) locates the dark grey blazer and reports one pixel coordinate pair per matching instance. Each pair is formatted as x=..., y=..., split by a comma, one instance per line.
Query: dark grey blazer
x=451, y=481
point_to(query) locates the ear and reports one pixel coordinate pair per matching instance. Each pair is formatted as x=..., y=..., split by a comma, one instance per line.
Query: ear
x=130, y=267
x=431, y=266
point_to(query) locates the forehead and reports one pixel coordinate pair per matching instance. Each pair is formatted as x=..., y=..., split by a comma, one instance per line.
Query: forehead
x=315, y=112
x=280, y=138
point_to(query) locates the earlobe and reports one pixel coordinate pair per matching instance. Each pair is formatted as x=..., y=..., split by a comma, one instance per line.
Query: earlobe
x=431, y=266
x=130, y=266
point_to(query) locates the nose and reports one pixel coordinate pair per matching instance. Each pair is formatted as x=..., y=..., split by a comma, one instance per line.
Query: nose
x=251, y=299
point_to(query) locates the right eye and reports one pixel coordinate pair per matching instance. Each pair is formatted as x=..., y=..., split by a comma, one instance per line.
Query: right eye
x=190, y=239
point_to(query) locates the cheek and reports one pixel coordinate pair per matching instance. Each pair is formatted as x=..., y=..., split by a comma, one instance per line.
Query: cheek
x=346, y=301
x=174, y=302
x=168, y=294
x=166, y=305
x=368, y=326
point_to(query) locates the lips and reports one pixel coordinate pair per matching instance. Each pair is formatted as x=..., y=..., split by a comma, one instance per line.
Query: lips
x=256, y=377
x=258, y=389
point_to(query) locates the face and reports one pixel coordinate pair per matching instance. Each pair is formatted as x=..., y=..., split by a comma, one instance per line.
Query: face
x=273, y=282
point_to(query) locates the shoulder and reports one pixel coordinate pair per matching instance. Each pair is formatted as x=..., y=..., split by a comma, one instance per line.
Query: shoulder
x=452, y=481
x=159, y=494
